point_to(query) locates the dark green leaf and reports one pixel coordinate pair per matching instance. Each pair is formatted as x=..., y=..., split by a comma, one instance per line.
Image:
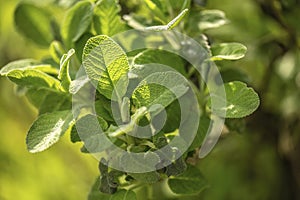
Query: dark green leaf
x=189, y=182
x=34, y=23
x=77, y=21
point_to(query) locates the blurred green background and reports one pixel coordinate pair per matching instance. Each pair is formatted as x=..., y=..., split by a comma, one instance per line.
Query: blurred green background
x=262, y=162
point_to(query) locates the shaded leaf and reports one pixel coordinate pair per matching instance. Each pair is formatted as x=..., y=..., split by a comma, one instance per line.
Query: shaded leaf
x=34, y=23
x=77, y=21
x=189, y=182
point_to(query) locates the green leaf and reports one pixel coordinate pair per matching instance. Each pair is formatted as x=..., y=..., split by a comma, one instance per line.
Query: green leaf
x=172, y=24
x=64, y=75
x=228, y=51
x=56, y=51
x=47, y=130
x=162, y=57
x=203, y=128
x=124, y=195
x=189, y=182
x=156, y=8
x=211, y=19
x=106, y=62
x=162, y=92
x=133, y=163
x=240, y=101
x=95, y=193
x=34, y=23
x=148, y=177
x=77, y=21
x=107, y=20
x=27, y=64
x=34, y=78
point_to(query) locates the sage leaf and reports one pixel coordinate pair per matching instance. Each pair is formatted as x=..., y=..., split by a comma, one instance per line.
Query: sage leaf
x=47, y=130
x=36, y=79
x=228, y=51
x=106, y=62
x=159, y=88
x=27, y=64
x=161, y=57
x=77, y=21
x=211, y=19
x=107, y=20
x=34, y=23
x=240, y=101
x=64, y=74
x=189, y=182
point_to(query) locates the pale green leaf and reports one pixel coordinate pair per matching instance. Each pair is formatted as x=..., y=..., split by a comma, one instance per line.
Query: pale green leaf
x=107, y=20
x=240, y=101
x=106, y=62
x=77, y=21
x=34, y=23
x=64, y=74
x=211, y=19
x=228, y=51
x=27, y=64
x=47, y=130
x=189, y=182
x=56, y=51
x=173, y=23
x=159, y=88
x=34, y=78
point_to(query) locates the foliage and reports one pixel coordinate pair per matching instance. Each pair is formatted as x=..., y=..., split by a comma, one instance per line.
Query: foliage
x=85, y=37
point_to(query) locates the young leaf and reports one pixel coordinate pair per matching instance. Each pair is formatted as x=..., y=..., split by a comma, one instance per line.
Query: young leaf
x=77, y=21
x=189, y=182
x=106, y=62
x=107, y=20
x=35, y=78
x=64, y=75
x=27, y=64
x=211, y=19
x=56, y=51
x=170, y=25
x=228, y=51
x=240, y=101
x=47, y=130
x=159, y=88
x=34, y=23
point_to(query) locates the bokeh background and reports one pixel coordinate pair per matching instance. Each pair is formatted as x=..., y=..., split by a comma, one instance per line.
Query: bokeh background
x=258, y=162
